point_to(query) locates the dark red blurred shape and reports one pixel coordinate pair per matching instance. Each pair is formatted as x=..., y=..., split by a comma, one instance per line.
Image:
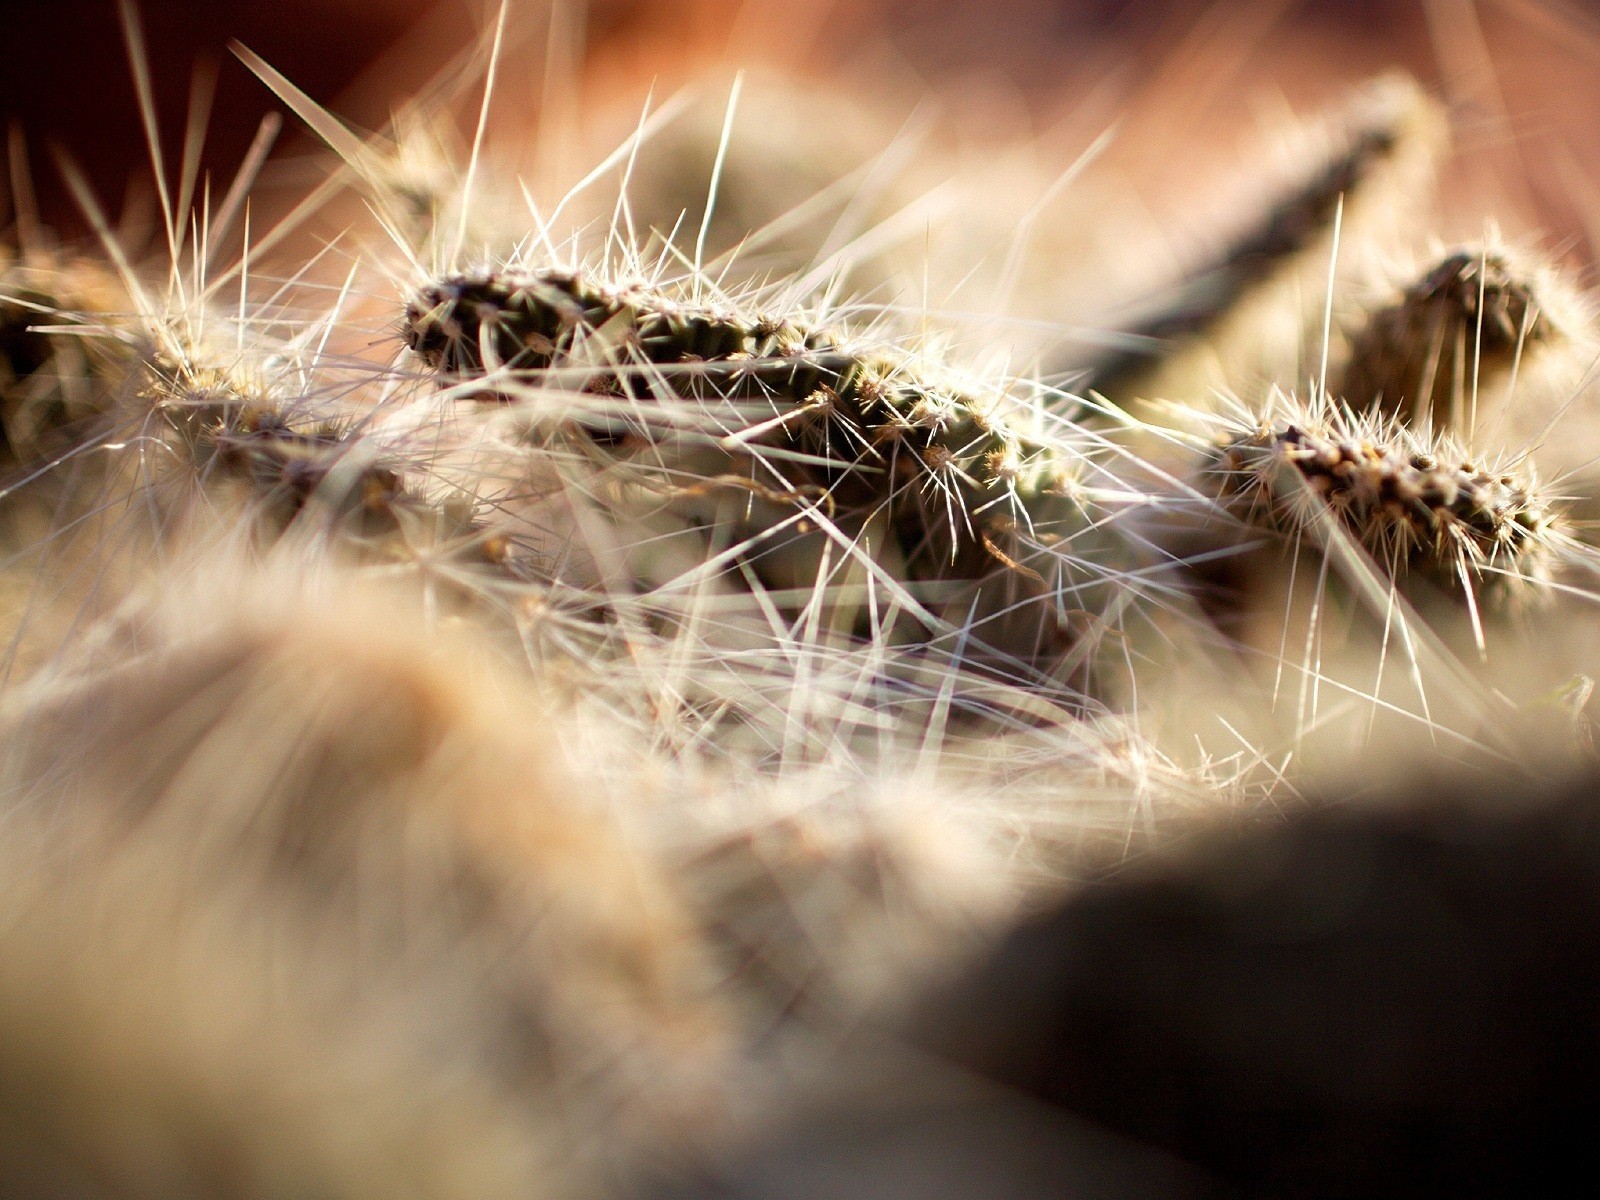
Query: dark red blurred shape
x=64, y=76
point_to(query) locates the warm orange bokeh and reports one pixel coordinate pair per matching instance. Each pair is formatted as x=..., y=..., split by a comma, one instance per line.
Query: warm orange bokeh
x=1182, y=76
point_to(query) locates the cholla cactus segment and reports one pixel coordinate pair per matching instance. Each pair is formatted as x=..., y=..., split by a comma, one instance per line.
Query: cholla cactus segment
x=1416, y=504
x=472, y=323
x=864, y=424
x=1453, y=331
x=296, y=460
x=292, y=467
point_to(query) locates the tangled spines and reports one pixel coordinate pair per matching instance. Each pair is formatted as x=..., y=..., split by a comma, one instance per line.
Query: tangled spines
x=762, y=568
x=291, y=467
x=472, y=323
x=862, y=425
x=292, y=464
x=1464, y=321
x=1413, y=507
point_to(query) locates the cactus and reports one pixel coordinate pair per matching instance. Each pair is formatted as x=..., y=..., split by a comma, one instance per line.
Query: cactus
x=730, y=573
x=1446, y=348
x=944, y=482
x=866, y=418
x=1226, y=323
x=1415, y=506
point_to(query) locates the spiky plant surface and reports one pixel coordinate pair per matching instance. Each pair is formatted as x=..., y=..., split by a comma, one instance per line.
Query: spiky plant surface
x=674, y=668
x=909, y=469
x=1473, y=332
x=1416, y=503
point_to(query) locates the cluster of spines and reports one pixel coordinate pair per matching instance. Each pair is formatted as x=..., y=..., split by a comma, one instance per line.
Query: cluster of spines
x=861, y=423
x=1430, y=511
x=300, y=470
x=1468, y=317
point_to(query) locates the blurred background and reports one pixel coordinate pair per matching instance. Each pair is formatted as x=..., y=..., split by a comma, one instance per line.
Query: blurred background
x=1184, y=81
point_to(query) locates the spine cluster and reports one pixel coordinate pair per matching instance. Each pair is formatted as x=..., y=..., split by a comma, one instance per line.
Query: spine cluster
x=1412, y=510
x=861, y=424
x=1465, y=320
x=304, y=469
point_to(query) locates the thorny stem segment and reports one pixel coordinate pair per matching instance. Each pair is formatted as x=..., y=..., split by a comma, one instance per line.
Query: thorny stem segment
x=1470, y=316
x=1412, y=510
x=863, y=424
